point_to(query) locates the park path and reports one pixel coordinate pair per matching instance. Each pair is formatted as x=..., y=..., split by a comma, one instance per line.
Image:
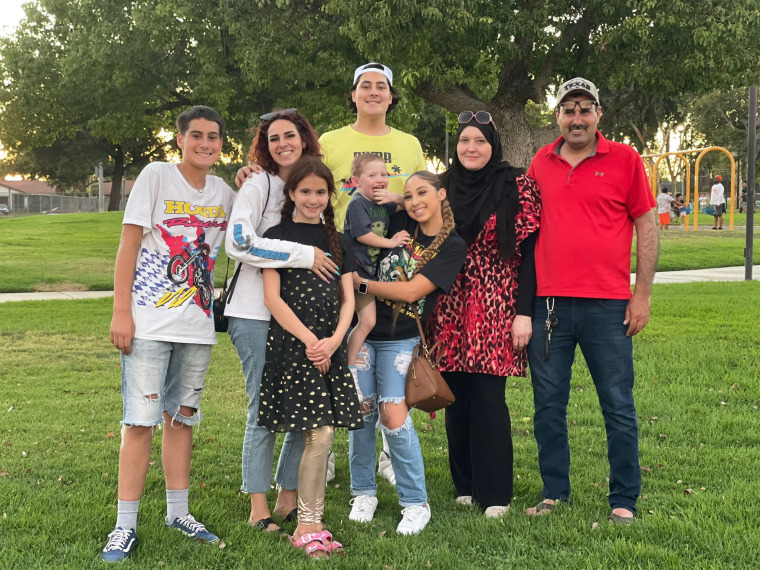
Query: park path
x=686, y=276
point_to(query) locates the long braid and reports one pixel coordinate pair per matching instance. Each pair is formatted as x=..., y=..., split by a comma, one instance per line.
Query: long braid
x=440, y=237
x=336, y=247
x=288, y=207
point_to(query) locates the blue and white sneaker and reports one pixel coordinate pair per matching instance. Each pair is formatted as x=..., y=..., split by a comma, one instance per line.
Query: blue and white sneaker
x=120, y=545
x=192, y=528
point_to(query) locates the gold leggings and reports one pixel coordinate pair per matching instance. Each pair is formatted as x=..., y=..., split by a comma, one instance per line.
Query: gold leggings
x=312, y=474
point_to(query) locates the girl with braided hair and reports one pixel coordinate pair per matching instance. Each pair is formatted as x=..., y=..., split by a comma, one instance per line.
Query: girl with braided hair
x=429, y=263
x=306, y=386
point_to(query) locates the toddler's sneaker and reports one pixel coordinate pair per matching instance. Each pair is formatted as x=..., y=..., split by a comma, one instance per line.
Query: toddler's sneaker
x=414, y=520
x=192, y=528
x=120, y=545
x=362, y=508
x=385, y=467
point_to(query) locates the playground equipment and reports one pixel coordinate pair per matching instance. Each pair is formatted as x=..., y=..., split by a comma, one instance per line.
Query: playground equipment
x=652, y=170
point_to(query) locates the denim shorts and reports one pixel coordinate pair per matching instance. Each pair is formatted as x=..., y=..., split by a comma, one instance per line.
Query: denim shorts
x=160, y=377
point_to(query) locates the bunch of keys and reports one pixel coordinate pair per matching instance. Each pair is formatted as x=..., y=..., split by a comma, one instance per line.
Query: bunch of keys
x=551, y=322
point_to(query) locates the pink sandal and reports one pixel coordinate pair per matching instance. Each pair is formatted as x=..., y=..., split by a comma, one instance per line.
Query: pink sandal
x=333, y=546
x=312, y=544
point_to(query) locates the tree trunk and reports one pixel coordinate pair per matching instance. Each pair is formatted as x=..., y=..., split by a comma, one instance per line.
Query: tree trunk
x=118, y=174
x=518, y=139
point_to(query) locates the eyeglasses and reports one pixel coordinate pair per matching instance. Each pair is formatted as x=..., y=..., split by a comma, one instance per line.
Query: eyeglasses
x=585, y=105
x=482, y=117
x=284, y=113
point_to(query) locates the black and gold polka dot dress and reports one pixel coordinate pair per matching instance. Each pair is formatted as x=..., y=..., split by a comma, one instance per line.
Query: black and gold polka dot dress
x=295, y=396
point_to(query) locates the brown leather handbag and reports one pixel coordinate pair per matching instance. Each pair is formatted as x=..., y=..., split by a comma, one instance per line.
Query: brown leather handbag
x=426, y=389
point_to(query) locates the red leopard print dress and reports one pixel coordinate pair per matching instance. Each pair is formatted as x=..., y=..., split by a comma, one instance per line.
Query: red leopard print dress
x=473, y=322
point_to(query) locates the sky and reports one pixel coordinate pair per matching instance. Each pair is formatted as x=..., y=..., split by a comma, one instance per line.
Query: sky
x=10, y=15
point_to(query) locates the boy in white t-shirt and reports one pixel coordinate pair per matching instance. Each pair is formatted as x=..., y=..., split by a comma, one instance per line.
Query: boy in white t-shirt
x=173, y=228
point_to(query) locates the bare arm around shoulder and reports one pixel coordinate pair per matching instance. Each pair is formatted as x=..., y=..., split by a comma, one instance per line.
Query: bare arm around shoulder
x=647, y=251
x=122, y=322
x=407, y=291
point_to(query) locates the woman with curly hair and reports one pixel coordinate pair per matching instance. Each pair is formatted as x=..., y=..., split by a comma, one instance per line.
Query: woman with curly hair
x=280, y=140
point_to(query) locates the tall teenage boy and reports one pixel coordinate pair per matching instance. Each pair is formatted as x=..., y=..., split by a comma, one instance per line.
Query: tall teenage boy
x=162, y=323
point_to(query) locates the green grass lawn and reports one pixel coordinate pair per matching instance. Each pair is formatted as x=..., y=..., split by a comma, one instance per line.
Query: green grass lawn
x=71, y=252
x=77, y=251
x=697, y=395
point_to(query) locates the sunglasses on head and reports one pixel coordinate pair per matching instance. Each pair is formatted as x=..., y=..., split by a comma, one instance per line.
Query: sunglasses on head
x=482, y=117
x=585, y=105
x=284, y=113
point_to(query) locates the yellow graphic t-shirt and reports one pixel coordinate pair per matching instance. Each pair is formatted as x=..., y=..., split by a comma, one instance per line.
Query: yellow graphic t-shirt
x=402, y=154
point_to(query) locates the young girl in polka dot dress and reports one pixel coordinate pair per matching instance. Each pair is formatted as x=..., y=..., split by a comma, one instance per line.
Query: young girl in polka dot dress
x=306, y=385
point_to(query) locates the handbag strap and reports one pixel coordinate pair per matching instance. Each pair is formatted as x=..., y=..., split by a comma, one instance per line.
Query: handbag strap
x=423, y=342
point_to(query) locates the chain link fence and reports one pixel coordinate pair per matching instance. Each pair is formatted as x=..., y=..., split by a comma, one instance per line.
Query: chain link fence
x=33, y=204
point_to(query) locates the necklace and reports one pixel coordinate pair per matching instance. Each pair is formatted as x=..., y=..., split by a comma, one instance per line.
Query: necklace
x=190, y=182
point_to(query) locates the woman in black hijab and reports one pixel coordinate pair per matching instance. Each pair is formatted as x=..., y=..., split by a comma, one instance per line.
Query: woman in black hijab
x=484, y=323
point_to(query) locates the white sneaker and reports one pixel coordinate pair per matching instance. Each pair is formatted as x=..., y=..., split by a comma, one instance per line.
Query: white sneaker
x=496, y=512
x=415, y=519
x=385, y=467
x=330, y=467
x=362, y=508
x=465, y=500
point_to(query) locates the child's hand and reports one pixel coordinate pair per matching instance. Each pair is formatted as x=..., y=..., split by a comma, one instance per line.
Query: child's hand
x=246, y=172
x=400, y=238
x=122, y=332
x=322, y=349
x=384, y=196
x=323, y=366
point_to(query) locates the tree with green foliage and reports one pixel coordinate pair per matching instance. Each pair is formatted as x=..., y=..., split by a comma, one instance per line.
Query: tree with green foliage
x=500, y=55
x=110, y=72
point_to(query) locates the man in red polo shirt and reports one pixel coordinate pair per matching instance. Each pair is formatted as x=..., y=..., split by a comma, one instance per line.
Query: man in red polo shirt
x=594, y=193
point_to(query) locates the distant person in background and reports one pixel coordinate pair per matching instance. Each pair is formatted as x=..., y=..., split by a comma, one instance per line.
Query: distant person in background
x=718, y=201
x=681, y=209
x=744, y=200
x=702, y=202
x=664, y=205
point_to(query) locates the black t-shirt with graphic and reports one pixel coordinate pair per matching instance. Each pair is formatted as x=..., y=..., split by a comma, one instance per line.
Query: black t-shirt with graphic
x=442, y=270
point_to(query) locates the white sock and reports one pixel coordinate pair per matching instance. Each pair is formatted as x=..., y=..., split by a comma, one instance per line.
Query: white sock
x=176, y=504
x=126, y=515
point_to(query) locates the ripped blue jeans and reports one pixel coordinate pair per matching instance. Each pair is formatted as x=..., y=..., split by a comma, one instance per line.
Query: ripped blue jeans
x=161, y=376
x=382, y=367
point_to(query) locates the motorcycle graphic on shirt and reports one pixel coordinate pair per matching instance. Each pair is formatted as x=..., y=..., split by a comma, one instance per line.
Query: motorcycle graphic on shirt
x=191, y=265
